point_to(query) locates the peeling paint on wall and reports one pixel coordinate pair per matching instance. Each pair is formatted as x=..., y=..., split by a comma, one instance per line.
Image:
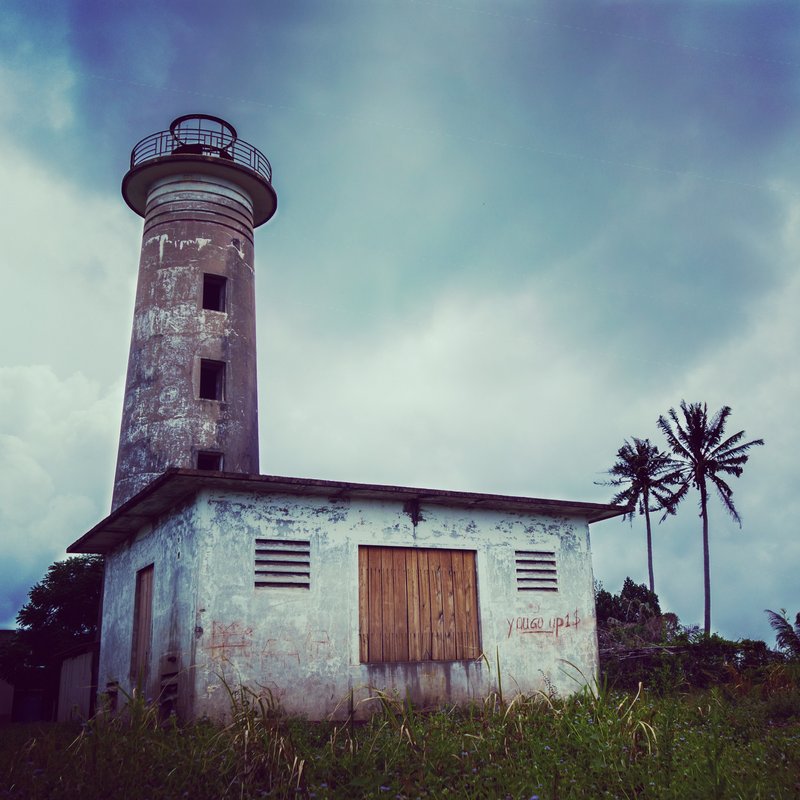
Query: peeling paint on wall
x=304, y=643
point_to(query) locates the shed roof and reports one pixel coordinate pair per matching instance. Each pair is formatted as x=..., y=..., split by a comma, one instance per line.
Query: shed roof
x=177, y=485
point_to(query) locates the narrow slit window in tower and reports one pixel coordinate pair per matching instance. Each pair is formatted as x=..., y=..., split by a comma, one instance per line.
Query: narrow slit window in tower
x=214, y=292
x=212, y=379
x=207, y=459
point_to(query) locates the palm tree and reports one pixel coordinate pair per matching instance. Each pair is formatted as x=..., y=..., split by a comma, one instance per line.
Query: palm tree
x=705, y=456
x=648, y=476
x=786, y=636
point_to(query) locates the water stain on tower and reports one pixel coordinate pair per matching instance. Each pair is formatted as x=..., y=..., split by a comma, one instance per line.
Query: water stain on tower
x=190, y=394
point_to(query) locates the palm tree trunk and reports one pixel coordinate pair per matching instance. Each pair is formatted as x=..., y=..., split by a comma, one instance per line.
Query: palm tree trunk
x=706, y=566
x=649, y=543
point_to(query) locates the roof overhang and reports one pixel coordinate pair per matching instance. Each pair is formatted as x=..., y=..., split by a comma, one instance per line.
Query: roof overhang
x=178, y=485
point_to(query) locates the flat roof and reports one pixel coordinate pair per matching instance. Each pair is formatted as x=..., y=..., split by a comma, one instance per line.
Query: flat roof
x=177, y=485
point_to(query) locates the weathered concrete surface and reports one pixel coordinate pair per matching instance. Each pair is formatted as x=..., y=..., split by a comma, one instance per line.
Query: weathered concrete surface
x=302, y=645
x=171, y=546
x=193, y=225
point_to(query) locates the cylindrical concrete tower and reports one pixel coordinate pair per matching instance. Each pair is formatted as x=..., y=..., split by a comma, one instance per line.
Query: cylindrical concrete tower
x=190, y=395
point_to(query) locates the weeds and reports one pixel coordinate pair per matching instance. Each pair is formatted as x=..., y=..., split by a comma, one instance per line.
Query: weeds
x=596, y=743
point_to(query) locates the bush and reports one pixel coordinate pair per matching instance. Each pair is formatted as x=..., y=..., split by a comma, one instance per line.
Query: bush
x=635, y=604
x=639, y=644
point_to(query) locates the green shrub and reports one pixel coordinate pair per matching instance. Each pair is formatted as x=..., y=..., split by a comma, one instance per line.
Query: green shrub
x=640, y=645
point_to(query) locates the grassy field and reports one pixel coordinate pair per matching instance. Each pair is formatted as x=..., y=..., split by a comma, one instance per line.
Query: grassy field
x=730, y=743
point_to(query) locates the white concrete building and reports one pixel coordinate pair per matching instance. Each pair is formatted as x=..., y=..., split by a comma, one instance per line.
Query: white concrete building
x=321, y=592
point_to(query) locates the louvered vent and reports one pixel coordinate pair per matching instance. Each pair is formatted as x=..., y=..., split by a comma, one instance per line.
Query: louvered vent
x=283, y=564
x=536, y=571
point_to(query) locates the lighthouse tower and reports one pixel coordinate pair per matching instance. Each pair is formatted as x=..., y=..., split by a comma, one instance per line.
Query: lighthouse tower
x=191, y=395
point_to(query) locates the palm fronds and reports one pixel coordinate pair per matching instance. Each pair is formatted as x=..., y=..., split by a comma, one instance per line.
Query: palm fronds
x=647, y=479
x=786, y=636
x=704, y=455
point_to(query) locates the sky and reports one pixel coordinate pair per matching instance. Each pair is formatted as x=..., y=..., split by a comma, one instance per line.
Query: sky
x=510, y=235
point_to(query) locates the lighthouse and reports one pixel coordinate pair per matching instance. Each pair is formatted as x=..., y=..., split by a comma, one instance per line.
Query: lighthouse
x=316, y=592
x=190, y=394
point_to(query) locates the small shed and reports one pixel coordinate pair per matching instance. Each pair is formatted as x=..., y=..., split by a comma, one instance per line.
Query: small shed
x=77, y=685
x=321, y=592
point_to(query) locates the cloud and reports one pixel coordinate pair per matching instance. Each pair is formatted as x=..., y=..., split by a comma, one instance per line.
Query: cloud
x=495, y=391
x=36, y=79
x=435, y=400
x=57, y=447
x=752, y=370
x=73, y=255
x=504, y=244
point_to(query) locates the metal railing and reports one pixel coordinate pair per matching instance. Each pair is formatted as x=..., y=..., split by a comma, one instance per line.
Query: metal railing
x=205, y=143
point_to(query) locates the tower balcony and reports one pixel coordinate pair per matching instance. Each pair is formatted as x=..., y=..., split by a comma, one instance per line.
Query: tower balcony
x=204, y=145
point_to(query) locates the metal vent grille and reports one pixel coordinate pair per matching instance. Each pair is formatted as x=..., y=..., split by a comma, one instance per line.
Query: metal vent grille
x=283, y=564
x=536, y=571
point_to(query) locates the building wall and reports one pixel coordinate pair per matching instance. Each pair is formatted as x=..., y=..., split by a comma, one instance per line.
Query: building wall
x=170, y=545
x=303, y=645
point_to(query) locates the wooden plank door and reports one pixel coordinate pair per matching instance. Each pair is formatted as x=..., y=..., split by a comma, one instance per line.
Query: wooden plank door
x=142, y=626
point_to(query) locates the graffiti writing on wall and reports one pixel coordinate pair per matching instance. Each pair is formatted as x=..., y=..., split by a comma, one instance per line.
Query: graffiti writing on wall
x=293, y=649
x=553, y=626
x=318, y=643
x=281, y=649
x=232, y=639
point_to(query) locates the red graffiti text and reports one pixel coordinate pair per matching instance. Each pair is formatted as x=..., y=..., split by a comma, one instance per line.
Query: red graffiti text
x=554, y=626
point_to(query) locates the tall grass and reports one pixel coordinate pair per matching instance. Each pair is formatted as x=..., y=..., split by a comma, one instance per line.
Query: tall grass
x=596, y=743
